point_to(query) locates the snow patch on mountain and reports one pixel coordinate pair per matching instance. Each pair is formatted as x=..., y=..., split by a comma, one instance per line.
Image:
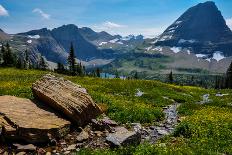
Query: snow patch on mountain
x=127, y=38
x=102, y=43
x=186, y=41
x=34, y=36
x=178, y=22
x=218, y=56
x=165, y=37
x=189, y=52
x=114, y=40
x=201, y=55
x=176, y=49
x=149, y=48
x=158, y=48
x=29, y=41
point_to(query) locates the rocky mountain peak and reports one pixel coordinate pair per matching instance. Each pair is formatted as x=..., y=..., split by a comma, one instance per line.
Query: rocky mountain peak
x=202, y=24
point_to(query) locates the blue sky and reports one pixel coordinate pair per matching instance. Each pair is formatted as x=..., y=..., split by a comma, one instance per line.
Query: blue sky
x=147, y=17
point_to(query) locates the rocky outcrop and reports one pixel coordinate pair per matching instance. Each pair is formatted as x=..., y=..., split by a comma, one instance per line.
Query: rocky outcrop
x=66, y=97
x=27, y=121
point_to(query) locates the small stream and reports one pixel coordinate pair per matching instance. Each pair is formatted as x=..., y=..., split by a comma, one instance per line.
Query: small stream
x=166, y=127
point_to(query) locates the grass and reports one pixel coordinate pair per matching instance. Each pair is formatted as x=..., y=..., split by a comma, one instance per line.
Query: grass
x=205, y=129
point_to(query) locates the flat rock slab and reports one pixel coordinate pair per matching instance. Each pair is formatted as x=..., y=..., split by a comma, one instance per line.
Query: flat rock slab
x=23, y=119
x=70, y=99
x=123, y=137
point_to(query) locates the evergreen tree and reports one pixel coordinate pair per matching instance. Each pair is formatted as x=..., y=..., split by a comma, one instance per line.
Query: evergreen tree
x=42, y=63
x=83, y=69
x=19, y=63
x=136, y=75
x=60, y=68
x=170, y=77
x=217, y=82
x=1, y=54
x=26, y=60
x=116, y=74
x=79, y=69
x=98, y=72
x=8, y=58
x=71, y=60
x=228, y=83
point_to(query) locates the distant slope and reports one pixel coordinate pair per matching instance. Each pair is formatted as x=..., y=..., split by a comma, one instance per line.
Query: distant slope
x=4, y=36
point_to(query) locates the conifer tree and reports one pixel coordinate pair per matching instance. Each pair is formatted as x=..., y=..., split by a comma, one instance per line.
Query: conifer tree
x=19, y=63
x=26, y=62
x=98, y=72
x=136, y=75
x=1, y=54
x=42, y=63
x=71, y=60
x=8, y=58
x=170, y=77
x=60, y=68
x=228, y=83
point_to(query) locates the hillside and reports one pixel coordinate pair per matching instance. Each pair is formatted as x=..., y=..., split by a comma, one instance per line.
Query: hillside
x=203, y=128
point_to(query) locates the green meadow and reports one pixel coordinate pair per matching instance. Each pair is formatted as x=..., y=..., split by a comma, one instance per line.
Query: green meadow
x=204, y=129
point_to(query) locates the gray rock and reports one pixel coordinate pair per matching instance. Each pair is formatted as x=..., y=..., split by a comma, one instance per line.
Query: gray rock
x=21, y=153
x=123, y=137
x=71, y=147
x=137, y=127
x=82, y=136
x=107, y=121
x=21, y=148
x=162, y=132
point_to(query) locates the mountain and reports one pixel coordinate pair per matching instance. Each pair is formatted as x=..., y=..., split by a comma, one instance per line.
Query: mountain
x=93, y=36
x=201, y=28
x=3, y=35
x=54, y=44
x=66, y=34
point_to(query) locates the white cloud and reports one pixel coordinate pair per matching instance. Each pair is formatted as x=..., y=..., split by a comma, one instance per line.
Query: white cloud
x=124, y=30
x=3, y=11
x=108, y=26
x=43, y=14
x=229, y=23
x=111, y=25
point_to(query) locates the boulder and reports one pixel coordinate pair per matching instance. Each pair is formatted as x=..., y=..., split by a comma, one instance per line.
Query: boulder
x=70, y=99
x=123, y=137
x=23, y=119
x=26, y=148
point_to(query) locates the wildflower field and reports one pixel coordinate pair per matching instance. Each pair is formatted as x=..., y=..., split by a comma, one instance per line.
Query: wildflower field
x=204, y=129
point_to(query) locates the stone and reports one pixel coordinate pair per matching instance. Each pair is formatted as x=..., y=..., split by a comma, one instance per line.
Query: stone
x=70, y=99
x=48, y=153
x=71, y=147
x=41, y=151
x=107, y=121
x=137, y=127
x=123, y=137
x=82, y=136
x=67, y=152
x=29, y=121
x=26, y=148
x=162, y=132
x=21, y=153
